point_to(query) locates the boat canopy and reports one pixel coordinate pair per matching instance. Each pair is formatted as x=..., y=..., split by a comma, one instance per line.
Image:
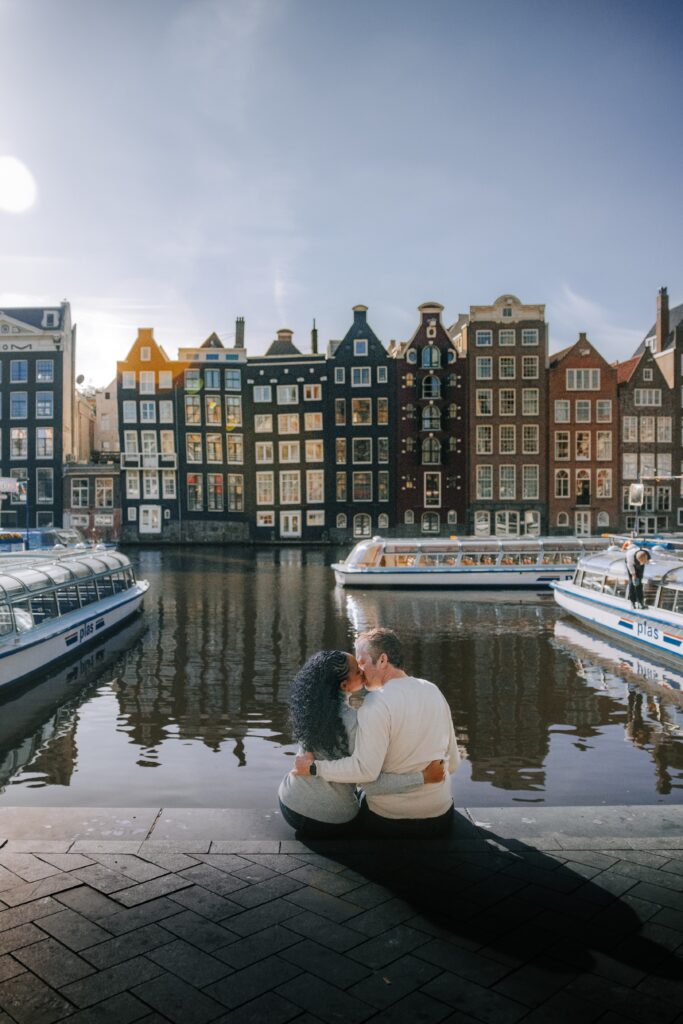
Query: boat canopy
x=665, y=570
x=421, y=552
x=24, y=575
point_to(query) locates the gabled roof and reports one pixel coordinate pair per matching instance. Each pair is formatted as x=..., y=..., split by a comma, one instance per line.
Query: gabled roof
x=625, y=369
x=675, y=318
x=33, y=315
x=283, y=347
x=213, y=341
x=557, y=356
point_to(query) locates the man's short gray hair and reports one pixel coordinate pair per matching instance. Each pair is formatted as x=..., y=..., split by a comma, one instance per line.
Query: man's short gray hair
x=382, y=641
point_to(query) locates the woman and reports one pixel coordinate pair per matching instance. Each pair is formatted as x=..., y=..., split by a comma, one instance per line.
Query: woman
x=323, y=722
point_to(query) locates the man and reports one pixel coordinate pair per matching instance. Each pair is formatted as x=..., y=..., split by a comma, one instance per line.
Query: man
x=404, y=724
x=636, y=560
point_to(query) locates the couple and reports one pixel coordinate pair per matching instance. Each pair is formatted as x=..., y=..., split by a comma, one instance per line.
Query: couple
x=399, y=747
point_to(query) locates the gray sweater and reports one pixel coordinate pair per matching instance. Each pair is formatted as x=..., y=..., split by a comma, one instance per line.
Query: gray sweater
x=336, y=802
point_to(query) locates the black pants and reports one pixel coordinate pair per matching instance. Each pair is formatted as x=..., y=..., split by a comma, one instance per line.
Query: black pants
x=635, y=591
x=316, y=829
x=371, y=824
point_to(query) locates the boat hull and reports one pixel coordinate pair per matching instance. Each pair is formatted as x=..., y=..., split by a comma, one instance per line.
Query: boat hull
x=466, y=578
x=646, y=628
x=39, y=648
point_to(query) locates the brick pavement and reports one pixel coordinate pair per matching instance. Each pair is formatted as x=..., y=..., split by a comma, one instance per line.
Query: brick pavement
x=475, y=929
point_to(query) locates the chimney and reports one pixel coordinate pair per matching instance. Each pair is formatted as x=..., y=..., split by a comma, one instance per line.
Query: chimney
x=239, y=332
x=314, y=339
x=662, y=319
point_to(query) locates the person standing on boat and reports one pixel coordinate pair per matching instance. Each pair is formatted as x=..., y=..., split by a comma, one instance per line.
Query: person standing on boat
x=402, y=726
x=636, y=560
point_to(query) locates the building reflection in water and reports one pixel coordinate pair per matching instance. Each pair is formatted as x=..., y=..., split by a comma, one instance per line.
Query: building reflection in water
x=226, y=631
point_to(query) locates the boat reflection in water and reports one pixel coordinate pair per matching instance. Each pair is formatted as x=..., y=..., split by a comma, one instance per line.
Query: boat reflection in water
x=38, y=722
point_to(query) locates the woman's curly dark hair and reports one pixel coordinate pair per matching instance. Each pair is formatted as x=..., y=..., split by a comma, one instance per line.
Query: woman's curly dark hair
x=315, y=703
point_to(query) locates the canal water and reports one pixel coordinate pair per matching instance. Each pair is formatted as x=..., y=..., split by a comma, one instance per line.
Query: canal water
x=187, y=707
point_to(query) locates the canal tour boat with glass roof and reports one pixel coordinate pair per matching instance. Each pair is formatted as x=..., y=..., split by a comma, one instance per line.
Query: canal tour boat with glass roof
x=454, y=563
x=597, y=596
x=51, y=605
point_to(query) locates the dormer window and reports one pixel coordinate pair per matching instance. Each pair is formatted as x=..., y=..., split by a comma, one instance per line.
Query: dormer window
x=50, y=319
x=507, y=311
x=360, y=347
x=145, y=354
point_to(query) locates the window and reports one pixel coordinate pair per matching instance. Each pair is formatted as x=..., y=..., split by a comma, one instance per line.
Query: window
x=361, y=412
x=313, y=392
x=18, y=371
x=145, y=354
x=167, y=441
x=148, y=412
x=530, y=367
x=484, y=440
x=290, y=487
x=235, y=492
x=45, y=486
x=263, y=424
x=530, y=336
x=530, y=483
x=362, y=525
x=484, y=402
x=431, y=417
x=663, y=464
x=212, y=379
x=168, y=489
x=314, y=451
x=18, y=443
x=265, y=489
x=629, y=466
x=582, y=411
x=507, y=483
x=482, y=524
x=603, y=446
x=629, y=429
x=432, y=490
x=507, y=367
x=288, y=423
x=603, y=410
x=193, y=447
x=360, y=377
x=214, y=492
x=664, y=433
x=647, y=374
x=409, y=517
x=263, y=393
x=409, y=380
x=507, y=439
x=80, y=493
x=165, y=411
x=603, y=519
x=382, y=521
x=453, y=411
x=484, y=483
x=340, y=411
x=165, y=380
x=315, y=486
x=382, y=411
x=530, y=439
x=192, y=380
x=233, y=381
x=647, y=464
x=561, y=445
x=431, y=452
x=362, y=486
x=289, y=451
x=340, y=487
x=195, y=499
x=45, y=371
x=212, y=410
x=264, y=451
x=431, y=387
x=561, y=483
x=483, y=339
x=339, y=375
x=582, y=449
x=340, y=451
x=431, y=357
x=583, y=380
x=360, y=347
x=361, y=449
x=484, y=368
x=647, y=429
x=603, y=483
x=234, y=445
x=147, y=382
x=563, y=519
x=583, y=486
x=18, y=405
x=193, y=409
x=45, y=405
x=341, y=521
x=313, y=421
x=287, y=394
x=132, y=483
x=315, y=517
x=214, y=448
x=506, y=401
x=383, y=485
x=45, y=445
x=382, y=375
x=431, y=522
x=530, y=401
x=506, y=337
x=233, y=411
x=265, y=519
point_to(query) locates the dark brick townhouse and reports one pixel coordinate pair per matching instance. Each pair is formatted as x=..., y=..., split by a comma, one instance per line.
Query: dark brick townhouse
x=583, y=448
x=431, y=458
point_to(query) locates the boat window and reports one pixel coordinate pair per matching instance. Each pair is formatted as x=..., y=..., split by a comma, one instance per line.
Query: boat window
x=22, y=616
x=67, y=599
x=578, y=578
x=79, y=568
x=510, y=558
x=6, y=625
x=119, y=582
x=105, y=587
x=11, y=585
x=34, y=580
x=592, y=581
x=58, y=573
x=87, y=591
x=614, y=586
x=369, y=555
x=44, y=606
x=669, y=599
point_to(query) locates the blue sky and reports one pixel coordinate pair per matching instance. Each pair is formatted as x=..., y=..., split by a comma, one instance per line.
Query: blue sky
x=198, y=160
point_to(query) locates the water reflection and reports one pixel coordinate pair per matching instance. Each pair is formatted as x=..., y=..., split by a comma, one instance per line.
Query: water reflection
x=202, y=699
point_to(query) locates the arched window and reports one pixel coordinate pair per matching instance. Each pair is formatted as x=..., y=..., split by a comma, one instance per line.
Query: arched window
x=482, y=524
x=409, y=517
x=362, y=525
x=431, y=452
x=383, y=521
x=561, y=483
x=452, y=379
x=603, y=519
x=410, y=444
x=563, y=519
x=341, y=521
x=410, y=380
x=452, y=444
x=431, y=387
x=431, y=357
x=431, y=417
x=411, y=355
x=453, y=411
x=431, y=522
x=452, y=517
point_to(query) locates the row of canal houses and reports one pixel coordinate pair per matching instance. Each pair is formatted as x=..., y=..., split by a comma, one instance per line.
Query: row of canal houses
x=470, y=428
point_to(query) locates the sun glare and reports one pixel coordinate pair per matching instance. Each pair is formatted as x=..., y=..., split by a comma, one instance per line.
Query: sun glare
x=17, y=186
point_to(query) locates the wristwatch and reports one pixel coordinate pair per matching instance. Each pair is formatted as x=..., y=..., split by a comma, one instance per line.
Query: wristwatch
x=312, y=768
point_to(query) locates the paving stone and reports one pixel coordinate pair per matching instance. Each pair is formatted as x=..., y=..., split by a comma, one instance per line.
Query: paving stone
x=208, y=904
x=123, y=921
x=9, y=967
x=463, y=962
x=535, y=982
x=631, y=1003
x=212, y=879
x=416, y=1008
x=121, y=1009
x=564, y=1008
x=264, y=892
x=280, y=862
x=334, y=967
x=252, y=981
x=29, y=1000
x=27, y=866
x=190, y=846
x=85, y=901
x=333, y=907
x=388, y=946
x=326, y=881
x=645, y=873
x=254, y=873
x=8, y=880
x=594, y=858
x=369, y=895
x=36, y=846
x=23, y=935
x=245, y=951
x=325, y=1001
x=375, y=921
x=246, y=846
x=190, y=964
x=316, y=860
x=657, y=894
x=54, y=963
x=673, y=867
x=168, y=861
x=196, y=930
x=31, y=891
x=130, y=866
x=151, y=890
x=27, y=912
x=480, y=1002
x=667, y=917
x=102, y=879
x=326, y=933
x=179, y=1002
x=73, y=930
x=262, y=917
x=393, y=982
x=111, y=981
x=123, y=947
x=66, y=861
x=227, y=862
x=105, y=846
x=269, y=1007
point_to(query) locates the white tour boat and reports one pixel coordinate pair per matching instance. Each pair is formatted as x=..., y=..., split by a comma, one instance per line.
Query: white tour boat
x=51, y=605
x=597, y=593
x=454, y=563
